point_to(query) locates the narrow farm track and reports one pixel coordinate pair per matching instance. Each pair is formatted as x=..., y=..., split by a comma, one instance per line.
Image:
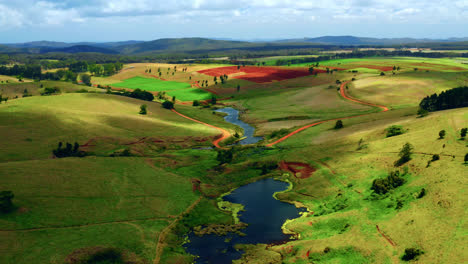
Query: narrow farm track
x=224, y=133
x=344, y=95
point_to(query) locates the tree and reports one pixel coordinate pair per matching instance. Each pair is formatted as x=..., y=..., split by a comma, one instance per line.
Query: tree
x=411, y=253
x=213, y=99
x=173, y=99
x=224, y=156
x=6, y=205
x=463, y=132
x=311, y=70
x=143, y=109
x=405, y=154
x=195, y=103
x=382, y=73
x=422, y=112
x=441, y=134
x=86, y=79
x=238, y=88
x=466, y=158
x=394, y=130
x=168, y=105
x=238, y=67
x=339, y=124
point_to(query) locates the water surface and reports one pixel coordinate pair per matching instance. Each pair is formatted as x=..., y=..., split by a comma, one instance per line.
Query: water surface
x=264, y=214
x=233, y=118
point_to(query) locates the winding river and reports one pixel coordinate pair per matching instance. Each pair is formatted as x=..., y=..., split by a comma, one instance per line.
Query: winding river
x=264, y=214
x=233, y=118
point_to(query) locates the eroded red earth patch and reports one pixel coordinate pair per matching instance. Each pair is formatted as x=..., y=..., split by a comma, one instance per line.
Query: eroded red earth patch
x=259, y=74
x=298, y=169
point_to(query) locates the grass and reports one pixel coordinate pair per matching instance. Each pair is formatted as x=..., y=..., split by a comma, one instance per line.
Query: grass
x=81, y=117
x=34, y=88
x=150, y=84
x=123, y=200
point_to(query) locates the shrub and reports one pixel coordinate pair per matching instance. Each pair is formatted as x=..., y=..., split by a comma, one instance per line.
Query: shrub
x=48, y=91
x=463, y=132
x=441, y=134
x=224, y=156
x=422, y=112
x=405, y=154
x=411, y=253
x=435, y=157
x=6, y=205
x=278, y=133
x=339, y=124
x=143, y=109
x=421, y=193
x=168, y=105
x=394, y=130
x=69, y=151
x=392, y=181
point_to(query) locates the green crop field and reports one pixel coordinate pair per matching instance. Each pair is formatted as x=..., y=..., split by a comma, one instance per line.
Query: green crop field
x=181, y=91
x=150, y=84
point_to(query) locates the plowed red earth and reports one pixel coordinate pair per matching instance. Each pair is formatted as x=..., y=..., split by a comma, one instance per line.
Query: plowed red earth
x=259, y=74
x=298, y=169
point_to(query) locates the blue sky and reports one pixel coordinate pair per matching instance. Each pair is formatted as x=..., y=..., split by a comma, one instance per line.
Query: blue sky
x=115, y=20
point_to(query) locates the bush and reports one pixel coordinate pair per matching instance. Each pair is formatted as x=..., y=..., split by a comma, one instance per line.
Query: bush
x=224, y=156
x=394, y=130
x=168, y=105
x=441, y=134
x=278, y=133
x=49, y=91
x=405, y=154
x=143, y=109
x=435, y=157
x=421, y=193
x=463, y=132
x=411, y=253
x=6, y=205
x=422, y=112
x=69, y=151
x=392, y=181
x=339, y=124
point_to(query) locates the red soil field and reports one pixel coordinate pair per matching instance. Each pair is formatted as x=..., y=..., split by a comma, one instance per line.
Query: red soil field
x=259, y=74
x=304, y=169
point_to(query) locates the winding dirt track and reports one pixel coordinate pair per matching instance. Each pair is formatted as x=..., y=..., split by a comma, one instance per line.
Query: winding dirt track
x=346, y=96
x=224, y=133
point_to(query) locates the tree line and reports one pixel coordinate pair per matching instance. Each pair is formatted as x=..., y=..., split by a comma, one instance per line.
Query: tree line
x=453, y=98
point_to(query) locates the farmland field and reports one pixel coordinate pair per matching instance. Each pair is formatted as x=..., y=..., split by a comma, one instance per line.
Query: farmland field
x=150, y=180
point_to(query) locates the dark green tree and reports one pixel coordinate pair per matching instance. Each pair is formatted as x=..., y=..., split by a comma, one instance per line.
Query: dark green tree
x=441, y=134
x=143, y=110
x=339, y=124
x=195, y=103
x=405, y=154
x=411, y=253
x=6, y=204
x=86, y=79
x=213, y=99
x=224, y=156
x=463, y=132
x=168, y=105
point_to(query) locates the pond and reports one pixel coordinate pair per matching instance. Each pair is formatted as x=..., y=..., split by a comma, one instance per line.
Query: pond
x=263, y=213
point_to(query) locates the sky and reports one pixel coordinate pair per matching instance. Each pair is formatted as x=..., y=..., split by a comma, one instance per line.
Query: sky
x=118, y=20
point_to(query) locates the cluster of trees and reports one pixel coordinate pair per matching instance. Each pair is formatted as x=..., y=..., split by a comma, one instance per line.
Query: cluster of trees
x=104, y=69
x=68, y=151
x=405, y=154
x=225, y=156
x=137, y=94
x=384, y=185
x=394, y=130
x=453, y=98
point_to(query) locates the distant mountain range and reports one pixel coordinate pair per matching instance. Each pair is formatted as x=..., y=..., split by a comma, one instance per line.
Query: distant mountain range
x=174, y=45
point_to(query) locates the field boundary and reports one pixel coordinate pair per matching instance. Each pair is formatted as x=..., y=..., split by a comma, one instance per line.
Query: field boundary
x=224, y=133
x=345, y=96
